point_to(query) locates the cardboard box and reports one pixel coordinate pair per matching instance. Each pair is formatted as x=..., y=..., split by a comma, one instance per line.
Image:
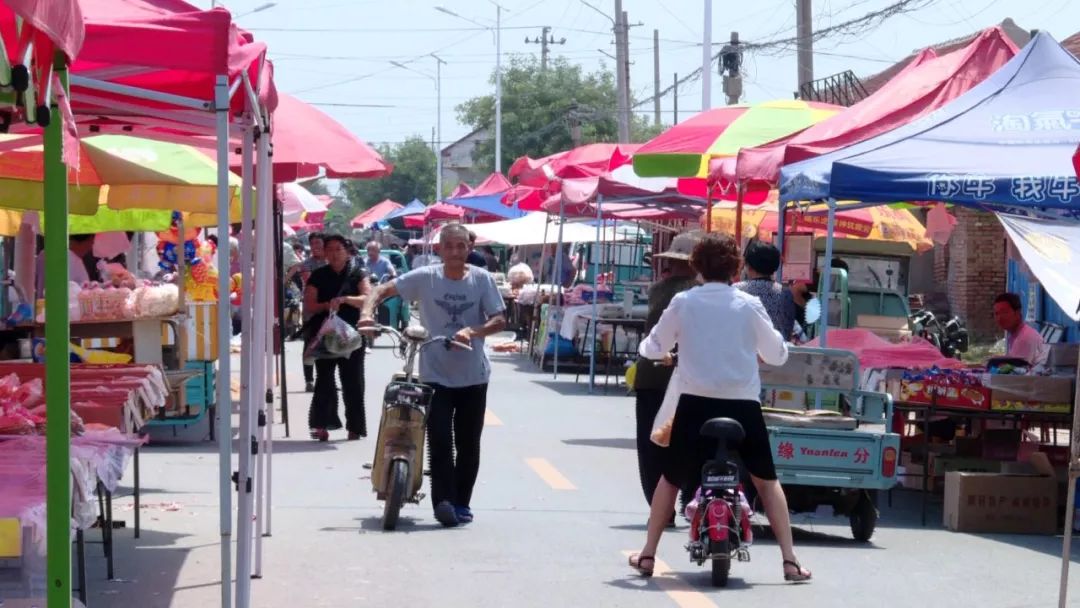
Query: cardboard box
x=1063, y=355
x=939, y=467
x=1002, y=502
x=946, y=396
x=1046, y=394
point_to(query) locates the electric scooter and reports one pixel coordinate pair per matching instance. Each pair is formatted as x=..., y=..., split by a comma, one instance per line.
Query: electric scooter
x=720, y=523
x=397, y=471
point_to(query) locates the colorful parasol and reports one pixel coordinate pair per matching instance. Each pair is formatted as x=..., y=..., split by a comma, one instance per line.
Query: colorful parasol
x=119, y=171
x=685, y=149
x=881, y=223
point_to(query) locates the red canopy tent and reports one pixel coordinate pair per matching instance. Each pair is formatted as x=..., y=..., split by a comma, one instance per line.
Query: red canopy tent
x=375, y=213
x=584, y=161
x=621, y=194
x=926, y=84
x=437, y=212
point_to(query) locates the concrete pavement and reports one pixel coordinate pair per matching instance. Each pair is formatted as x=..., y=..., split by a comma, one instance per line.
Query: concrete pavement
x=557, y=507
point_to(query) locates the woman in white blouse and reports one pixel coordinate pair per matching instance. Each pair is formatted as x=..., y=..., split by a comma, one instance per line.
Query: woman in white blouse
x=721, y=333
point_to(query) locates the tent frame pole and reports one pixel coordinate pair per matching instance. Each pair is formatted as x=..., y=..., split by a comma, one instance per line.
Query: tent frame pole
x=244, y=435
x=559, y=287
x=1070, y=502
x=58, y=366
x=130, y=91
x=263, y=369
x=223, y=409
x=596, y=292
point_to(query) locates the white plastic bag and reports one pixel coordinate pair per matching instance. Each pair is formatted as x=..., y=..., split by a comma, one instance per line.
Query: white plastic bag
x=665, y=417
x=336, y=340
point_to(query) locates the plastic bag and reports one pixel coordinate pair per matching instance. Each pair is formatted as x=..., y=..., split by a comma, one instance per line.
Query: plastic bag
x=665, y=417
x=336, y=340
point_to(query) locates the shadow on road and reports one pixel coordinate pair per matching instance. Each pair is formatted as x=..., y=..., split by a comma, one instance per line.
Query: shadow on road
x=281, y=446
x=623, y=443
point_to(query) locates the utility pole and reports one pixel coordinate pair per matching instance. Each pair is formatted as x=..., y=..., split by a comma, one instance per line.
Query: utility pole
x=438, y=128
x=656, y=76
x=498, y=87
x=706, y=59
x=675, y=91
x=620, y=74
x=544, y=40
x=804, y=30
x=628, y=103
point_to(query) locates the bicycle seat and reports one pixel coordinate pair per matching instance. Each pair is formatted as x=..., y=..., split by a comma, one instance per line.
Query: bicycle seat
x=724, y=429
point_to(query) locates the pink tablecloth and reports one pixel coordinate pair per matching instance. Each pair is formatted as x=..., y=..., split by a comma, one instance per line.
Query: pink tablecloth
x=877, y=353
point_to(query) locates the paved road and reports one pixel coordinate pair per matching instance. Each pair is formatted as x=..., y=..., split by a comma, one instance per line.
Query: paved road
x=557, y=506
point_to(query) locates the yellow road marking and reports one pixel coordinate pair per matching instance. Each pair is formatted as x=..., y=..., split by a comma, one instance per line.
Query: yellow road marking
x=682, y=593
x=491, y=419
x=549, y=474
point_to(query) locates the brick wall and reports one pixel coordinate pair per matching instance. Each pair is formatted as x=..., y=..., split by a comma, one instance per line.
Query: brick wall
x=976, y=271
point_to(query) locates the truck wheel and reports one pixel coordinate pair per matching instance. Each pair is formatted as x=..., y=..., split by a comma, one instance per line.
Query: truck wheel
x=395, y=493
x=864, y=518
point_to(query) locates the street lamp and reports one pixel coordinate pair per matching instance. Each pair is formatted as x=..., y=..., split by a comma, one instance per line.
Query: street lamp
x=498, y=72
x=438, y=116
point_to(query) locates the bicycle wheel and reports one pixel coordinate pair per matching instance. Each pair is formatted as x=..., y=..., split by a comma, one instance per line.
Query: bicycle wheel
x=395, y=494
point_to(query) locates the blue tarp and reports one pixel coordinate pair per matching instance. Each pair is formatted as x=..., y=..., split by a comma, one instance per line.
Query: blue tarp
x=1006, y=143
x=413, y=208
x=491, y=205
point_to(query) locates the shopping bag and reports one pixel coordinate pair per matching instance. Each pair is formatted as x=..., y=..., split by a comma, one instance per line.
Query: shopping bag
x=336, y=339
x=665, y=417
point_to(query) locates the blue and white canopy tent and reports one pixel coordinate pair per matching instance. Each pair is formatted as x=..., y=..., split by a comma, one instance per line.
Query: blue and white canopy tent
x=1005, y=146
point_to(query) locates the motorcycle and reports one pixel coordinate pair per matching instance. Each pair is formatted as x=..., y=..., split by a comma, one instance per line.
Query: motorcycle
x=720, y=520
x=950, y=337
x=397, y=471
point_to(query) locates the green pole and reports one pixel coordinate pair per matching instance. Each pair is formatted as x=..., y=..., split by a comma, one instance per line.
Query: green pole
x=57, y=361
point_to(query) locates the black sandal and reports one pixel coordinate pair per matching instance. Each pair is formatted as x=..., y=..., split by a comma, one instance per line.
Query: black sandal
x=798, y=576
x=636, y=564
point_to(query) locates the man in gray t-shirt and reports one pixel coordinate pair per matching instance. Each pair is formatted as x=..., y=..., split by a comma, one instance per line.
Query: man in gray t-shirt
x=461, y=302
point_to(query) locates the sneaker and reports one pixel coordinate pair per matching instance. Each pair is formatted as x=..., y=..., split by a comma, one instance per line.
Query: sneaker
x=446, y=515
x=309, y=387
x=464, y=514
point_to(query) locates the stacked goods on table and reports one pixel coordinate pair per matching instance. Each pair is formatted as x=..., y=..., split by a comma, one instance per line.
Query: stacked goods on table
x=102, y=302
x=1003, y=389
x=22, y=408
x=121, y=396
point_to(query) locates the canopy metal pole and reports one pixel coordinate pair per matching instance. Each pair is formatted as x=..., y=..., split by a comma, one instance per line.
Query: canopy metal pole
x=826, y=287
x=224, y=315
x=1070, y=502
x=596, y=292
x=780, y=240
x=58, y=364
x=738, y=215
x=264, y=369
x=559, y=289
x=244, y=435
x=537, y=306
x=279, y=230
x=130, y=91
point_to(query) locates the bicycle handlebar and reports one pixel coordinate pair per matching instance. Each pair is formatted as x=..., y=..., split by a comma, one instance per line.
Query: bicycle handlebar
x=447, y=341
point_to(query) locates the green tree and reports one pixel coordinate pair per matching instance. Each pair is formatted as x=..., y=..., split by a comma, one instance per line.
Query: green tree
x=413, y=178
x=542, y=109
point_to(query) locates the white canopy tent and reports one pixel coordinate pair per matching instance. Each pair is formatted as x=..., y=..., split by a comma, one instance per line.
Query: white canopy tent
x=532, y=230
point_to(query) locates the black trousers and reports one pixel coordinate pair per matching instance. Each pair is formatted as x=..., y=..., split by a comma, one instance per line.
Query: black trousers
x=455, y=423
x=649, y=455
x=324, y=402
x=309, y=373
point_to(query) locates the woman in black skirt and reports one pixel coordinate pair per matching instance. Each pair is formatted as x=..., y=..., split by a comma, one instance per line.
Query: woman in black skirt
x=721, y=333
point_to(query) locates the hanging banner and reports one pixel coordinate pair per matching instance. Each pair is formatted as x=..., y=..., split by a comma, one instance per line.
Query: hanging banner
x=1051, y=251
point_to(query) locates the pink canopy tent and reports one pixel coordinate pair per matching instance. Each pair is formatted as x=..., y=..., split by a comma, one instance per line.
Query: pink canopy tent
x=375, y=213
x=438, y=212
x=927, y=83
x=621, y=194
x=462, y=189
x=537, y=179
x=584, y=161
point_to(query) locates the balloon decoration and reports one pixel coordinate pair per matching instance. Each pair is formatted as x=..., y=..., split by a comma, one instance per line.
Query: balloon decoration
x=200, y=275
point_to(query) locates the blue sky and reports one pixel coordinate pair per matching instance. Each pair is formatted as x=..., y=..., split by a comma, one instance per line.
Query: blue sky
x=339, y=51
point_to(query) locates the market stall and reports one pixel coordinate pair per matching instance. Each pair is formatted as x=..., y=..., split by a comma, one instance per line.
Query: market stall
x=943, y=157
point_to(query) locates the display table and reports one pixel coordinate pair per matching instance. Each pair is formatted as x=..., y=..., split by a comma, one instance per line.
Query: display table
x=616, y=356
x=98, y=462
x=925, y=413
x=144, y=333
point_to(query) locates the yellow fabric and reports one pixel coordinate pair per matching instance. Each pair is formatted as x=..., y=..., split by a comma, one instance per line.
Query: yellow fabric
x=202, y=332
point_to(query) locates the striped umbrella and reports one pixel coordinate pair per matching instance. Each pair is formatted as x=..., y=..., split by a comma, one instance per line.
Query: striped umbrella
x=686, y=149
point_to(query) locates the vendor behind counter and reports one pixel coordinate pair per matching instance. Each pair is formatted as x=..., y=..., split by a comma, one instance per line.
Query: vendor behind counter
x=1022, y=341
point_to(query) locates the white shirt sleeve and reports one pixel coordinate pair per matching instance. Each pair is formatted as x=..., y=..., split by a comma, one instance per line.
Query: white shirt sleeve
x=770, y=344
x=665, y=335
